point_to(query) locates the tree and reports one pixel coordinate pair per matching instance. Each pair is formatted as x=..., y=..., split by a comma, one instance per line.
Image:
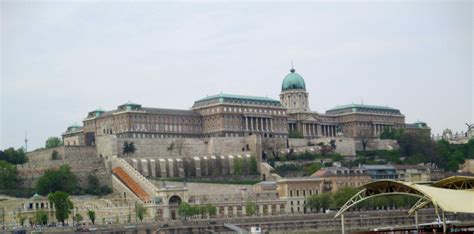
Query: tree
x=210, y=209
x=184, y=210
x=140, y=211
x=170, y=148
x=13, y=156
x=62, y=205
x=41, y=217
x=93, y=185
x=364, y=136
x=238, y=166
x=8, y=175
x=78, y=218
x=319, y=201
x=52, y=142
x=128, y=148
x=273, y=147
x=179, y=145
x=295, y=134
x=22, y=219
x=250, y=208
x=54, y=155
x=253, y=165
x=61, y=179
x=312, y=168
x=91, y=215
x=342, y=196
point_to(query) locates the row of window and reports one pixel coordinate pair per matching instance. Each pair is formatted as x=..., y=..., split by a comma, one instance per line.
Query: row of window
x=243, y=110
x=303, y=192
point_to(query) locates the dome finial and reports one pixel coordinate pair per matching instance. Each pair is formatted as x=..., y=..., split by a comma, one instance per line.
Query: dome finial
x=292, y=70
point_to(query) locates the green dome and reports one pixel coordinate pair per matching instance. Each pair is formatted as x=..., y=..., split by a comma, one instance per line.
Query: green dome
x=293, y=81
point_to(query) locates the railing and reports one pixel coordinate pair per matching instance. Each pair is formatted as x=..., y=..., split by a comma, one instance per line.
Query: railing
x=144, y=181
x=131, y=183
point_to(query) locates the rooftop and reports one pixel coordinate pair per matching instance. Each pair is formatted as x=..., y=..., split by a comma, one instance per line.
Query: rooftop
x=362, y=108
x=238, y=99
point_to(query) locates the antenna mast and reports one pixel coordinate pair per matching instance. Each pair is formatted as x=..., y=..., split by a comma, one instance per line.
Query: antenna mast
x=26, y=142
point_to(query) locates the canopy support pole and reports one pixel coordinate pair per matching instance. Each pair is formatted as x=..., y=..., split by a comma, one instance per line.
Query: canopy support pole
x=444, y=223
x=416, y=220
x=342, y=223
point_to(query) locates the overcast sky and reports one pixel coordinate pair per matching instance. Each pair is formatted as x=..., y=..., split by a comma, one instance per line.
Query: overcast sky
x=62, y=60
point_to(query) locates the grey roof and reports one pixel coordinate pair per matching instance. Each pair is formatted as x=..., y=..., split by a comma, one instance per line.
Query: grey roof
x=170, y=111
x=237, y=99
x=363, y=108
x=378, y=167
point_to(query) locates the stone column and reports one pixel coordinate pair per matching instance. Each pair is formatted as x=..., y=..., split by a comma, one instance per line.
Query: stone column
x=271, y=125
x=162, y=168
x=269, y=209
x=244, y=212
x=260, y=210
x=278, y=208
x=234, y=210
x=226, y=211
x=261, y=124
x=153, y=167
x=251, y=124
x=319, y=130
x=246, y=124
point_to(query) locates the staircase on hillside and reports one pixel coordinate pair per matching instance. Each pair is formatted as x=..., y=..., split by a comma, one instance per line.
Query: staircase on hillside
x=128, y=181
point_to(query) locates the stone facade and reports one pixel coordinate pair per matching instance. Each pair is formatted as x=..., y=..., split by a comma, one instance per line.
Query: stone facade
x=295, y=191
x=336, y=178
x=226, y=115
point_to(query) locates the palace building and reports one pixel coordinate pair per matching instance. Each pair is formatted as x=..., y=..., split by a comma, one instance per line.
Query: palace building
x=226, y=115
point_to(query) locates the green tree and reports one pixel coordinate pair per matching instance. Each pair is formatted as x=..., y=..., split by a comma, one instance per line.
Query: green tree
x=238, y=166
x=170, y=148
x=140, y=211
x=8, y=175
x=211, y=210
x=13, y=156
x=184, y=210
x=93, y=185
x=78, y=218
x=22, y=219
x=343, y=195
x=312, y=168
x=128, y=148
x=52, y=142
x=91, y=215
x=319, y=201
x=54, y=155
x=295, y=134
x=253, y=165
x=41, y=217
x=250, y=208
x=62, y=205
x=61, y=179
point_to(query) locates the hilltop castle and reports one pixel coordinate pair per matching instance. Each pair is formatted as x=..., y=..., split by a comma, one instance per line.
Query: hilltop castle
x=226, y=115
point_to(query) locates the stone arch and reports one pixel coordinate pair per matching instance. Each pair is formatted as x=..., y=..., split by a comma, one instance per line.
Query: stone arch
x=174, y=200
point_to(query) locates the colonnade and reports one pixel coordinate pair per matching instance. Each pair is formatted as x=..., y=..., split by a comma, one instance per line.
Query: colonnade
x=262, y=124
x=378, y=128
x=317, y=130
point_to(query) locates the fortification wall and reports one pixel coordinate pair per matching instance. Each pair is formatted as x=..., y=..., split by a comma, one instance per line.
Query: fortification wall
x=83, y=161
x=44, y=154
x=344, y=145
x=378, y=144
x=108, y=146
x=65, y=152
